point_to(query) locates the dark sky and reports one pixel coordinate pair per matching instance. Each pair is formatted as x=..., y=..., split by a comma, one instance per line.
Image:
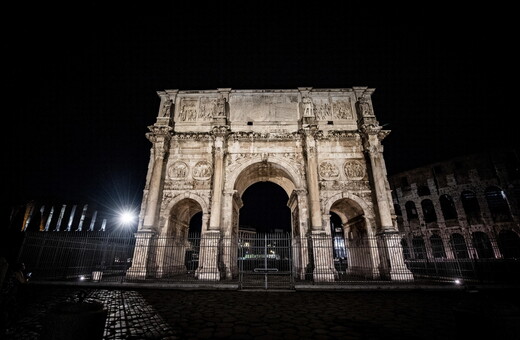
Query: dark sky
x=82, y=81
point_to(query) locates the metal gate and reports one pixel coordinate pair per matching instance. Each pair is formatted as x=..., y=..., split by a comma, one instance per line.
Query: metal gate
x=265, y=261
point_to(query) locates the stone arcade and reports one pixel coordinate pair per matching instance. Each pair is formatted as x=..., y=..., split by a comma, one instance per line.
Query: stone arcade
x=322, y=146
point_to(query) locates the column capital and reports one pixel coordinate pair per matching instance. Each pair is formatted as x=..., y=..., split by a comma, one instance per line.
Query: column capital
x=158, y=132
x=229, y=192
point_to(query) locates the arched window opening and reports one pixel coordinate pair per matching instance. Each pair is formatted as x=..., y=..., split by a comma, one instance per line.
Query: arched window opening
x=482, y=245
x=497, y=203
x=458, y=246
x=471, y=207
x=419, y=249
x=448, y=207
x=428, y=211
x=437, y=246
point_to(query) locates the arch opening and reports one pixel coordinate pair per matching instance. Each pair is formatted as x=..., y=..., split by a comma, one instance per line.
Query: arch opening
x=360, y=249
x=178, y=247
x=265, y=209
x=263, y=222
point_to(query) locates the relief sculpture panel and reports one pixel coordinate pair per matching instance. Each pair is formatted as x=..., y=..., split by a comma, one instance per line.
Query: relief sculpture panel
x=328, y=170
x=202, y=171
x=178, y=170
x=354, y=170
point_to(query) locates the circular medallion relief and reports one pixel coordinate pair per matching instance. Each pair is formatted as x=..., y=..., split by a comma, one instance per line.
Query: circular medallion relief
x=178, y=170
x=328, y=170
x=202, y=171
x=354, y=170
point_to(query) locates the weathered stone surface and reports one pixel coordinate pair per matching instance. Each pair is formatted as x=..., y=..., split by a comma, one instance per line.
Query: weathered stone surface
x=322, y=146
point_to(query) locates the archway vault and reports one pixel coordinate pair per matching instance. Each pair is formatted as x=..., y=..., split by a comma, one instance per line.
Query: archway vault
x=264, y=172
x=276, y=170
x=181, y=212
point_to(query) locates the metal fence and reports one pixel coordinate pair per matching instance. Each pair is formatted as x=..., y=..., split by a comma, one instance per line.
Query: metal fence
x=251, y=260
x=265, y=261
x=77, y=256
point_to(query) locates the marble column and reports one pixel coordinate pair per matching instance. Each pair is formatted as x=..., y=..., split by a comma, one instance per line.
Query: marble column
x=391, y=254
x=312, y=179
x=218, y=179
x=142, y=265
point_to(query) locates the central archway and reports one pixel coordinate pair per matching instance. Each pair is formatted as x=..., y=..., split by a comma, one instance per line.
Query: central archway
x=267, y=176
x=265, y=209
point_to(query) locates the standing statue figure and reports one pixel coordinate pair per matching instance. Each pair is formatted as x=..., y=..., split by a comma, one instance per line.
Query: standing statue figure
x=165, y=112
x=221, y=107
x=364, y=106
x=307, y=107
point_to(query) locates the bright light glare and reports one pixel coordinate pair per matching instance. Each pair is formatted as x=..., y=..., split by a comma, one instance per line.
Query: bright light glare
x=82, y=278
x=457, y=282
x=126, y=217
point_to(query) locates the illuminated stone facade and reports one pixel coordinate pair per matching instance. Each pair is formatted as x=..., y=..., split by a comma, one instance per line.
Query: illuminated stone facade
x=322, y=146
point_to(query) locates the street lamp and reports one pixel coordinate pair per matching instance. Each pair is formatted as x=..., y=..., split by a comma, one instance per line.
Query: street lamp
x=126, y=217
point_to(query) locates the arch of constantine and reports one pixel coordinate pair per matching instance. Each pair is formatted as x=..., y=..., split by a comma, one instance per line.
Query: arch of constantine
x=322, y=146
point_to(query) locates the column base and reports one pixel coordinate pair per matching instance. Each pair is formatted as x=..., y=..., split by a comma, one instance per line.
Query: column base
x=324, y=276
x=136, y=274
x=209, y=269
x=208, y=275
x=401, y=274
x=395, y=268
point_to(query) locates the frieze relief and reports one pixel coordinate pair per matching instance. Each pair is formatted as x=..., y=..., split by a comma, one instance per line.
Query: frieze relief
x=188, y=110
x=208, y=107
x=178, y=185
x=202, y=109
x=323, y=111
x=345, y=185
x=354, y=170
x=275, y=135
x=342, y=109
x=187, y=185
x=332, y=108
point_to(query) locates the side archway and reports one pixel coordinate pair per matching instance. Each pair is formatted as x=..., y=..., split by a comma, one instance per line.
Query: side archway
x=176, y=251
x=361, y=247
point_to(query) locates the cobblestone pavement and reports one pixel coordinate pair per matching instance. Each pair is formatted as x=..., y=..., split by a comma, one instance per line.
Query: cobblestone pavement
x=204, y=314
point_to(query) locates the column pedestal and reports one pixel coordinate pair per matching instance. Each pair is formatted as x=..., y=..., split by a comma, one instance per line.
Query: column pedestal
x=208, y=260
x=393, y=261
x=140, y=263
x=324, y=270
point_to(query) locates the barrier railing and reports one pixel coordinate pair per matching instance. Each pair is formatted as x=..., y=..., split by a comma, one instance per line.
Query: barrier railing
x=256, y=260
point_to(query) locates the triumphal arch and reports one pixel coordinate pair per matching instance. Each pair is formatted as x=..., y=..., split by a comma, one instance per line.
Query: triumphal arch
x=322, y=146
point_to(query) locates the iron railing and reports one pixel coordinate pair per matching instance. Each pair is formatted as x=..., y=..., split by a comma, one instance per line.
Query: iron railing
x=254, y=260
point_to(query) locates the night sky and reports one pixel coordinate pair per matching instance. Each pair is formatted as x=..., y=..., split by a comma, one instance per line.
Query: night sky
x=81, y=84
